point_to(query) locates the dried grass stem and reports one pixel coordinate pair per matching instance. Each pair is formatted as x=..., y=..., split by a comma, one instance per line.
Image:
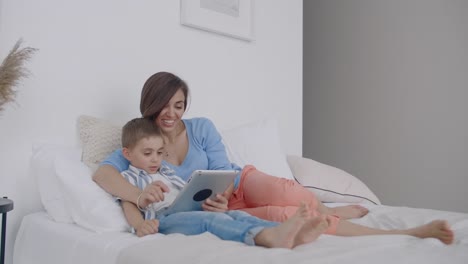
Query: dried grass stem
x=12, y=70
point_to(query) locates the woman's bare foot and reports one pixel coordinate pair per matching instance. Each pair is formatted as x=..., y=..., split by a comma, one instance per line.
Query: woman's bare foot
x=349, y=211
x=439, y=229
x=284, y=235
x=311, y=230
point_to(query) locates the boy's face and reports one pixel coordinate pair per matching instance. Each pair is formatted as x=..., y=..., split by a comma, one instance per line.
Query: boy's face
x=147, y=154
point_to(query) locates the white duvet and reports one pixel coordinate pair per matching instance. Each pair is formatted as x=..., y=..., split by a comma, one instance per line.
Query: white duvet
x=40, y=240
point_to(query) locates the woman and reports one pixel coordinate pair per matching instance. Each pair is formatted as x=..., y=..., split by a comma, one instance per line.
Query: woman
x=196, y=144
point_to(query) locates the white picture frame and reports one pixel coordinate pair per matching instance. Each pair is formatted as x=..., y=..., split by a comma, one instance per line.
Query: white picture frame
x=227, y=17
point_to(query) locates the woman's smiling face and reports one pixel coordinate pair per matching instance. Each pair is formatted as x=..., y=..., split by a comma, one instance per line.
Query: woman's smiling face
x=172, y=113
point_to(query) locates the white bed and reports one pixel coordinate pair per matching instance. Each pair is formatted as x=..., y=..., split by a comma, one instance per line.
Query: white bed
x=42, y=240
x=80, y=223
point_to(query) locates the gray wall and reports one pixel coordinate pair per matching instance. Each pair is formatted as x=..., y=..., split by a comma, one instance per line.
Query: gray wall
x=385, y=96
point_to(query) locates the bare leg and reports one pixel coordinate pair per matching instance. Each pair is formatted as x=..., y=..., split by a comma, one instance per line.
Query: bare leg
x=344, y=212
x=436, y=229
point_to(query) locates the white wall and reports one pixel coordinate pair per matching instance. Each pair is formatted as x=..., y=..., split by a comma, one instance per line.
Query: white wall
x=385, y=91
x=94, y=57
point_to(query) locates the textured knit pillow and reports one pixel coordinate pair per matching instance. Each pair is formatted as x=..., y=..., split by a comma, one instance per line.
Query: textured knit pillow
x=99, y=138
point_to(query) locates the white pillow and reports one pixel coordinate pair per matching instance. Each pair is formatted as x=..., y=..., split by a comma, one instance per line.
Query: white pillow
x=42, y=169
x=330, y=184
x=257, y=144
x=90, y=206
x=99, y=138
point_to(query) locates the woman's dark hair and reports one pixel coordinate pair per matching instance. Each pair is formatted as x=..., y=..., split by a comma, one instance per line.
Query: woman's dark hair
x=158, y=90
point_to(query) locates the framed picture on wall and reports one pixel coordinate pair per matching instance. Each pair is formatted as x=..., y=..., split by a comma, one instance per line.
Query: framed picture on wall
x=227, y=17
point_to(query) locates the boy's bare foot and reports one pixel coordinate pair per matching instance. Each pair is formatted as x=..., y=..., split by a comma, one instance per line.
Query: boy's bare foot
x=311, y=230
x=439, y=229
x=283, y=235
x=349, y=211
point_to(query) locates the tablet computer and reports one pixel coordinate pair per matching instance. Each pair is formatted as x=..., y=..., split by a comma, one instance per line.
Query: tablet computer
x=202, y=184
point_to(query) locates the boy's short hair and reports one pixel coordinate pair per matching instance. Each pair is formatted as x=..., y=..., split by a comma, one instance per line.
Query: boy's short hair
x=138, y=128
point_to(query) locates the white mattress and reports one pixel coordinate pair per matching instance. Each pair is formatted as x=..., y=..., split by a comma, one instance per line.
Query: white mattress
x=41, y=240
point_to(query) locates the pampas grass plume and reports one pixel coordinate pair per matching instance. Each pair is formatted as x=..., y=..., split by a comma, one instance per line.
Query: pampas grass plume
x=12, y=70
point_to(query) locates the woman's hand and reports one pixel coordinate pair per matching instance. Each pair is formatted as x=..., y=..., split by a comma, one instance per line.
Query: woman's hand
x=219, y=204
x=152, y=193
x=147, y=227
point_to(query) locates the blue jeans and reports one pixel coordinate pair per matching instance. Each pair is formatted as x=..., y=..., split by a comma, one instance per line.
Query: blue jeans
x=232, y=225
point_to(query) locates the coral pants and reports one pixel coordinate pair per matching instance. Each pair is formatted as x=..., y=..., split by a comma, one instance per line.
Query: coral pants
x=272, y=198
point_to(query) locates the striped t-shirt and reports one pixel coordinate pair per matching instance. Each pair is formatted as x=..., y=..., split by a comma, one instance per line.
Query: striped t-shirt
x=141, y=179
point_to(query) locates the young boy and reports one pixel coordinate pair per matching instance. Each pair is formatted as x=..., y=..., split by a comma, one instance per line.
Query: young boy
x=143, y=146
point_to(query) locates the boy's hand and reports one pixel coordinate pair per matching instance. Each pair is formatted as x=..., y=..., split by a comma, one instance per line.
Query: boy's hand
x=147, y=227
x=153, y=193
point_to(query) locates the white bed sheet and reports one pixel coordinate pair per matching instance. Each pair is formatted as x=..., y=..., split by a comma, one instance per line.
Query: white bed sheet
x=40, y=240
